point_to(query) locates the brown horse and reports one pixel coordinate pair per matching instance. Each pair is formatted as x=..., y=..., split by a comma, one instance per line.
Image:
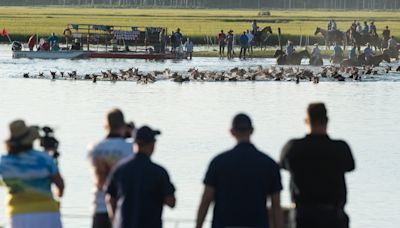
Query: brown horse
x=361, y=39
x=261, y=37
x=295, y=59
x=373, y=61
x=332, y=37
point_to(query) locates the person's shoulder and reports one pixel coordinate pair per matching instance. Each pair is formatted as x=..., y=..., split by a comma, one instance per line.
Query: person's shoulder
x=159, y=169
x=340, y=143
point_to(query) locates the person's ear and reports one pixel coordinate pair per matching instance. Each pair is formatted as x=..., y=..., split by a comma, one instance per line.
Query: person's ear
x=232, y=132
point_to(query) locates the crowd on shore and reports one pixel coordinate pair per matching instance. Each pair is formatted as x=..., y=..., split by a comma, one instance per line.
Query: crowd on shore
x=131, y=190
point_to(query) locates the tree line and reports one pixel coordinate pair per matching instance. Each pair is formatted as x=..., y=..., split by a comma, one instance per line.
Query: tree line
x=282, y=4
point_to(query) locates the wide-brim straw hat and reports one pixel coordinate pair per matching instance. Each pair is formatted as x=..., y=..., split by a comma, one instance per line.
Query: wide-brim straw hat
x=21, y=134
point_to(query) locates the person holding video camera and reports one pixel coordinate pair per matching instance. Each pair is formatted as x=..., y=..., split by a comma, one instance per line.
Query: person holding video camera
x=29, y=175
x=104, y=156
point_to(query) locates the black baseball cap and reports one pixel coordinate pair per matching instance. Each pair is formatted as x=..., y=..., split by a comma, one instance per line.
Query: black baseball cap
x=146, y=134
x=242, y=123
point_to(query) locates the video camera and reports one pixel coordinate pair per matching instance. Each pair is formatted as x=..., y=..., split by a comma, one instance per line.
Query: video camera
x=49, y=142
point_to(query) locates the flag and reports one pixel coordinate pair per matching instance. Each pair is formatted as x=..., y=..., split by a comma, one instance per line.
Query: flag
x=4, y=32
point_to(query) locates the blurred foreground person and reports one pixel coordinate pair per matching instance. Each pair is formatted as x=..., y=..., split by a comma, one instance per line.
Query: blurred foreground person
x=239, y=181
x=104, y=156
x=317, y=165
x=138, y=188
x=28, y=175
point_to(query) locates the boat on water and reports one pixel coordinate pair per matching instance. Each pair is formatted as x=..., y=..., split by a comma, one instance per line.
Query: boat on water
x=99, y=41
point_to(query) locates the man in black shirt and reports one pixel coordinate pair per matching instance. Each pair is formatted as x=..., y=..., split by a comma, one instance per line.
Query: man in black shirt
x=138, y=188
x=239, y=181
x=317, y=165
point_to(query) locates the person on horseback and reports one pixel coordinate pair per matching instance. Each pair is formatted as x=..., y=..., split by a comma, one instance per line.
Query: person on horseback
x=372, y=29
x=392, y=47
x=386, y=37
x=368, y=53
x=254, y=27
x=359, y=28
x=365, y=28
x=329, y=25
x=354, y=25
x=337, y=53
x=333, y=25
x=352, y=53
x=221, y=42
x=315, y=55
x=289, y=49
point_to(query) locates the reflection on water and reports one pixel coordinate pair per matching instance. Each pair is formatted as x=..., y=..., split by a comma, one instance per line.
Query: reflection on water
x=195, y=119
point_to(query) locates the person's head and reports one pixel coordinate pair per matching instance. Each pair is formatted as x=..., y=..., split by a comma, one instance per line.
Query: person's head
x=368, y=45
x=365, y=22
x=21, y=137
x=316, y=45
x=392, y=37
x=387, y=27
x=53, y=34
x=145, y=140
x=115, y=122
x=254, y=21
x=316, y=118
x=244, y=32
x=242, y=128
x=178, y=29
x=372, y=22
x=222, y=31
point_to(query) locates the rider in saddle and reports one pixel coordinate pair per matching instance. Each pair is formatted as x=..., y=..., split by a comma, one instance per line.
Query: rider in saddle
x=254, y=27
x=392, y=46
x=352, y=53
x=365, y=30
x=316, y=54
x=368, y=53
x=354, y=25
x=333, y=25
x=337, y=52
x=289, y=49
x=372, y=29
x=359, y=28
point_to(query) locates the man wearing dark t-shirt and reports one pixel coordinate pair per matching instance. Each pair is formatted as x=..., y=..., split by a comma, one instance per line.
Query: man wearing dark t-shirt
x=138, y=188
x=317, y=165
x=239, y=181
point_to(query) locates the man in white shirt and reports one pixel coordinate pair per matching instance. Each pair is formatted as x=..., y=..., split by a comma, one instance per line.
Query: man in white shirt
x=103, y=157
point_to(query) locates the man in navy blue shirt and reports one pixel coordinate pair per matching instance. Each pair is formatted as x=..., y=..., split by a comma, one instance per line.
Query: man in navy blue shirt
x=317, y=165
x=138, y=188
x=239, y=181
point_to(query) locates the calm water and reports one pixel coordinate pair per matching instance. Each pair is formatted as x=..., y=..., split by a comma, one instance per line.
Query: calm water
x=195, y=118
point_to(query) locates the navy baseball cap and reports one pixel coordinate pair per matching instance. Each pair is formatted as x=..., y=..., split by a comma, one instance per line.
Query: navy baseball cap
x=146, y=134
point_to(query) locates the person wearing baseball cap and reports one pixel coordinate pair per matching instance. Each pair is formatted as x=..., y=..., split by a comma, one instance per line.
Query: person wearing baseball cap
x=28, y=175
x=239, y=181
x=138, y=188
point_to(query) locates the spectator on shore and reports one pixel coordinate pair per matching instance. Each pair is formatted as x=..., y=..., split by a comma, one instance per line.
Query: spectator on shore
x=173, y=42
x=189, y=48
x=240, y=181
x=317, y=165
x=103, y=157
x=221, y=42
x=162, y=40
x=178, y=36
x=244, y=43
x=138, y=188
x=230, y=42
x=337, y=53
x=393, y=47
x=28, y=175
x=250, y=37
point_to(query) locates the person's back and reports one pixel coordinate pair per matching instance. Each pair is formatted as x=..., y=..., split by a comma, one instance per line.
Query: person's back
x=316, y=52
x=317, y=165
x=239, y=181
x=138, y=188
x=243, y=178
x=289, y=49
x=352, y=53
x=244, y=40
x=338, y=51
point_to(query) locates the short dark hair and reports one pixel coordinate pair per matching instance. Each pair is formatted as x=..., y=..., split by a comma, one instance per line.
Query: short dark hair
x=317, y=113
x=242, y=123
x=115, y=119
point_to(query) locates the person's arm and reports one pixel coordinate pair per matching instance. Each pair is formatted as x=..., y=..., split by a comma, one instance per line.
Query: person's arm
x=170, y=201
x=111, y=206
x=276, y=210
x=59, y=182
x=101, y=170
x=208, y=197
x=284, y=160
x=348, y=160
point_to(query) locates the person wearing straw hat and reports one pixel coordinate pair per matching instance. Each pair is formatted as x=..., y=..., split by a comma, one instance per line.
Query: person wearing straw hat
x=28, y=175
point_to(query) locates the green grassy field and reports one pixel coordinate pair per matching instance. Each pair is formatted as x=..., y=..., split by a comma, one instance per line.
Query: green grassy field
x=20, y=22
